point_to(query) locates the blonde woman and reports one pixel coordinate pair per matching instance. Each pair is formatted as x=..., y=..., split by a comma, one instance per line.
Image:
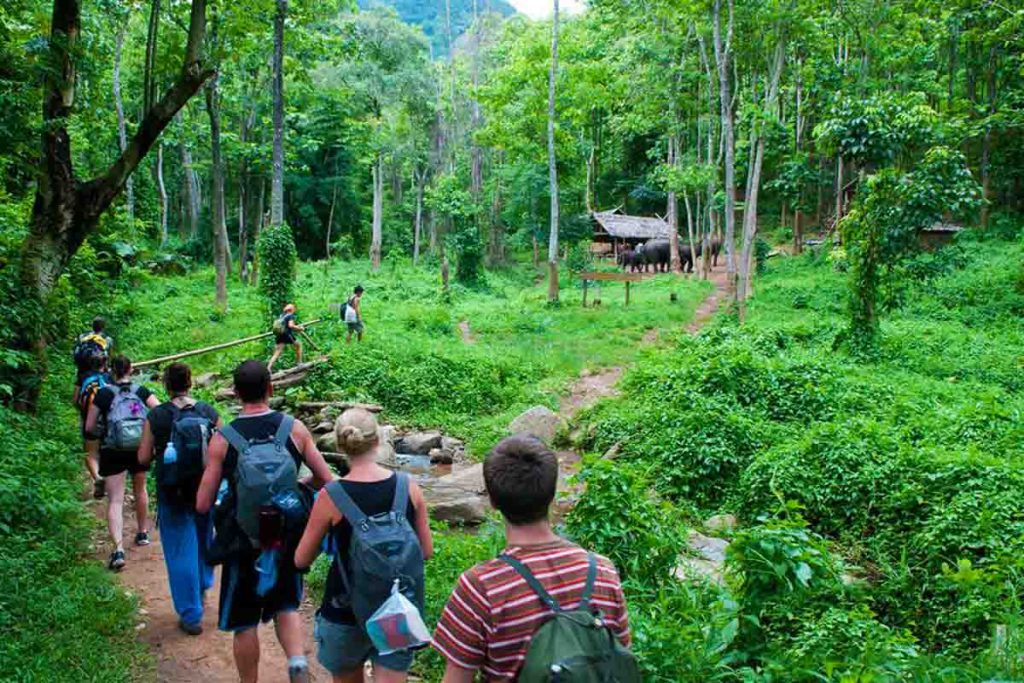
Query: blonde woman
x=375, y=498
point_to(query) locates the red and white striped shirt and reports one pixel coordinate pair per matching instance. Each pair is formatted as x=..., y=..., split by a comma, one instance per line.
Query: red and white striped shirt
x=492, y=613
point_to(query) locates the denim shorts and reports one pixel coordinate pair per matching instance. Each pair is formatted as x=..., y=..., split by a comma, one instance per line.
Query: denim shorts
x=344, y=647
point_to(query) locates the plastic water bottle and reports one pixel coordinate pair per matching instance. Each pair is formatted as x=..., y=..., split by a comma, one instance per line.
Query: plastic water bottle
x=170, y=454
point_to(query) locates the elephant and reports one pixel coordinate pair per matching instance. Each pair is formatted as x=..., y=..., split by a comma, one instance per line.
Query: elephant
x=659, y=253
x=716, y=248
x=629, y=259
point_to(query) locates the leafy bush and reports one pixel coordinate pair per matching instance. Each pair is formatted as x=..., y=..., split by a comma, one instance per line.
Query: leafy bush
x=276, y=249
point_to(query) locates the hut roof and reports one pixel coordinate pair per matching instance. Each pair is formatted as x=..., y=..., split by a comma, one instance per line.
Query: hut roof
x=940, y=226
x=622, y=226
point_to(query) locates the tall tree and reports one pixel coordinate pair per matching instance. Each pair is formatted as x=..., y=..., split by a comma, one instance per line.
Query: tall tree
x=723, y=59
x=67, y=208
x=552, y=163
x=277, y=89
x=122, y=132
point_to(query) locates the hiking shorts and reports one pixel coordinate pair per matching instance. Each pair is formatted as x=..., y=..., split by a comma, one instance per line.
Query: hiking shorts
x=241, y=607
x=116, y=462
x=342, y=648
x=356, y=327
x=285, y=339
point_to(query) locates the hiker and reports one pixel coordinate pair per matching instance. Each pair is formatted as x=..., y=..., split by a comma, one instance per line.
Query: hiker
x=116, y=417
x=285, y=334
x=176, y=434
x=354, y=591
x=259, y=454
x=93, y=377
x=498, y=618
x=353, y=315
x=90, y=353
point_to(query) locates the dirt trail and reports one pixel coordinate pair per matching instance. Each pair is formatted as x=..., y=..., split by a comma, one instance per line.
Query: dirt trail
x=180, y=658
x=208, y=658
x=591, y=386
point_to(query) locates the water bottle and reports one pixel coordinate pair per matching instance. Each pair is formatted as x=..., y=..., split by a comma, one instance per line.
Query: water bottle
x=170, y=454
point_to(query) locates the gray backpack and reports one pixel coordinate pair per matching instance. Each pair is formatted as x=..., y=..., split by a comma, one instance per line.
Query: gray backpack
x=384, y=547
x=265, y=468
x=125, y=419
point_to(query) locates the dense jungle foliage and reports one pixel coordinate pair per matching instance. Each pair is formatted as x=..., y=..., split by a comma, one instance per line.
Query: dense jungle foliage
x=185, y=168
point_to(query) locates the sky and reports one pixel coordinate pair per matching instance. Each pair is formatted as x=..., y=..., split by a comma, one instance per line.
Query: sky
x=541, y=9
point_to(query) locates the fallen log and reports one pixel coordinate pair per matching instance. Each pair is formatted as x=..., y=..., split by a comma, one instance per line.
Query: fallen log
x=208, y=349
x=280, y=380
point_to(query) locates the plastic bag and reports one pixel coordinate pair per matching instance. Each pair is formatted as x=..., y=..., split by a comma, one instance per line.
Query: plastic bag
x=397, y=625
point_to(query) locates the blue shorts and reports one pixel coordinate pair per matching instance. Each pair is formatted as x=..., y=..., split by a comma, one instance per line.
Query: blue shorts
x=342, y=648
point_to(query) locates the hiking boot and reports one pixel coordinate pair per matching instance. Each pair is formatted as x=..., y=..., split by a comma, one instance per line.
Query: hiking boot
x=298, y=674
x=190, y=629
x=116, y=561
x=142, y=538
x=99, y=488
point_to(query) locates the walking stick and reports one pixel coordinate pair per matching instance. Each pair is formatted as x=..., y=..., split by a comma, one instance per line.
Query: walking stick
x=311, y=342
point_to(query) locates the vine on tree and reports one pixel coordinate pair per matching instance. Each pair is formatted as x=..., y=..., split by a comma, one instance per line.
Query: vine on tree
x=276, y=248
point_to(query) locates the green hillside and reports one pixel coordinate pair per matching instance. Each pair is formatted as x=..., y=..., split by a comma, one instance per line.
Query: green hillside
x=430, y=16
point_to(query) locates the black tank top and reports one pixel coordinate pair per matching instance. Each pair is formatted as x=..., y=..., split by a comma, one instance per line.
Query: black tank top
x=373, y=498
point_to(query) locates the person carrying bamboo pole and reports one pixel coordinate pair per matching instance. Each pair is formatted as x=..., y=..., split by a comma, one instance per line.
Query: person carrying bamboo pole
x=286, y=332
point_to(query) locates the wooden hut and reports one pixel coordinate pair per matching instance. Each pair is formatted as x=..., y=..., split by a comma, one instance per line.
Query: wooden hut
x=618, y=230
x=937, y=235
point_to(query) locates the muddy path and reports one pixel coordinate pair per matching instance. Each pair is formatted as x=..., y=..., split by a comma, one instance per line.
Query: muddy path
x=208, y=658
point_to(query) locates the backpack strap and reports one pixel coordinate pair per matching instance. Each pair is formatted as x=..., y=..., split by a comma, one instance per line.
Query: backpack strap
x=284, y=430
x=339, y=496
x=236, y=440
x=588, y=587
x=531, y=581
x=401, y=500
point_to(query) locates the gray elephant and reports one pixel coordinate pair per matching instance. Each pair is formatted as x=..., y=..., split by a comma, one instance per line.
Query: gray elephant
x=629, y=260
x=658, y=253
x=716, y=248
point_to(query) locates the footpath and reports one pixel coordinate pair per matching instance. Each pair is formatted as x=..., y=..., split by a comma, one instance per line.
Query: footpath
x=208, y=658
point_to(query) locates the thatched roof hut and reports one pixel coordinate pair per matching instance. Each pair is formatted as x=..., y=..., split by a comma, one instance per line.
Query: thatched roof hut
x=618, y=229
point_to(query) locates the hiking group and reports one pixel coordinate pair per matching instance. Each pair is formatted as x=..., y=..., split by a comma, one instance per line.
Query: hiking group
x=256, y=497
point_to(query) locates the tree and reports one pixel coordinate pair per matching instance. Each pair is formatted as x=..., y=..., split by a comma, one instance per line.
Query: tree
x=67, y=208
x=723, y=59
x=277, y=88
x=552, y=164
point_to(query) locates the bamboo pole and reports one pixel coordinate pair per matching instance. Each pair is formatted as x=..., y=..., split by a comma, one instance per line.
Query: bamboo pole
x=208, y=349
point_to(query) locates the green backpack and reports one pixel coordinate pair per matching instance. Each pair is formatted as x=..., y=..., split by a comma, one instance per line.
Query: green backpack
x=280, y=326
x=573, y=646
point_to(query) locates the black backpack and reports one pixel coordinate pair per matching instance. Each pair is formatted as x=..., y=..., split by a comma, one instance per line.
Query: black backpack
x=88, y=345
x=179, y=475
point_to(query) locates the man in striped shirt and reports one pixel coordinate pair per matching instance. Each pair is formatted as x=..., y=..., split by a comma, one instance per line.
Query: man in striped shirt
x=492, y=613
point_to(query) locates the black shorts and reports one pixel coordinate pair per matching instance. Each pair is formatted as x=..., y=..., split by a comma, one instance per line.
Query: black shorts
x=116, y=462
x=241, y=608
x=285, y=339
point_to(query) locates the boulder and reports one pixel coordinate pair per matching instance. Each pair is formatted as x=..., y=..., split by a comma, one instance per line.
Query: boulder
x=328, y=442
x=206, y=380
x=386, y=455
x=705, y=559
x=440, y=456
x=539, y=421
x=418, y=443
x=323, y=427
x=451, y=445
x=388, y=434
x=459, y=510
x=718, y=524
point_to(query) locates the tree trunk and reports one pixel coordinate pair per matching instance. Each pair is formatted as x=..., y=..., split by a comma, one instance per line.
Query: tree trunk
x=190, y=190
x=330, y=221
x=420, y=177
x=66, y=209
x=476, y=154
x=277, y=179
x=378, y=210
x=672, y=212
x=723, y=57
x=689, y=230
x=122, y=133
x=705, y=261
x=986, y=141
x=754, y=186
x=839, y=190
x=221, y=246
x=552, y=166
x=148, y=80
x=163, y=193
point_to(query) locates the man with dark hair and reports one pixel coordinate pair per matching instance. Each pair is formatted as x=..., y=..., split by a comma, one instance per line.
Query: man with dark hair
x=285, y=331
x=116, y=418
x=176, y=433
x=354, y=315
x=493, y=612
x=245, y=600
